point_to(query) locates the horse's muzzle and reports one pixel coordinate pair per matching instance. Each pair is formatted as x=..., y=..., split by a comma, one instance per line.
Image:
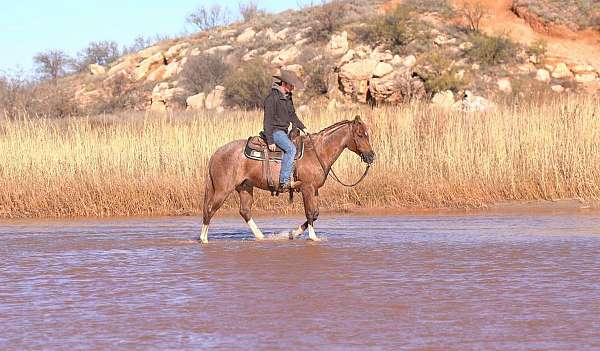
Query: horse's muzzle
x=368, y=157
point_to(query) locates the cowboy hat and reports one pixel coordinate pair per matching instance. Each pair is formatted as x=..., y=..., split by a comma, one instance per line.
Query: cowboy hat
x=290, y=78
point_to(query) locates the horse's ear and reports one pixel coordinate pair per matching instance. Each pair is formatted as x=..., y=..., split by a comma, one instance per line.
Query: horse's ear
x=357, y=118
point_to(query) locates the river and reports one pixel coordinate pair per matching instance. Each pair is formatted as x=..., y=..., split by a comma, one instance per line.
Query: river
x=428, y=282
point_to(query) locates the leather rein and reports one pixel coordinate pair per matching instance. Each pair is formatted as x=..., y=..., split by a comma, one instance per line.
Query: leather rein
x=331, y=173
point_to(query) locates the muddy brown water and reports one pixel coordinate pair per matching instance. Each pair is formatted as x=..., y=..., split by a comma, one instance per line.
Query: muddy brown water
x=459, y=282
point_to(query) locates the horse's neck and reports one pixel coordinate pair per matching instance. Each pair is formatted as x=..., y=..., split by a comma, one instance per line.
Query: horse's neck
x=330, y=146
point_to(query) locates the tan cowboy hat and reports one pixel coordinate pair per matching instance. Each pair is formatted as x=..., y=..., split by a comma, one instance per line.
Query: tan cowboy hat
x=290, y=78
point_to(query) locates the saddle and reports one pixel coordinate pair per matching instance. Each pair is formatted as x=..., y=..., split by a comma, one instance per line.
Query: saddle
x=257, y=148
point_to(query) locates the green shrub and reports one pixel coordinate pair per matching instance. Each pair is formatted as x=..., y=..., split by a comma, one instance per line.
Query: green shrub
x=317, y=71
x=537, y=48
x=248, y=85
x=492, y=50
x=329, y=18
x=203, y=72
x=395, y=30
x=442, y=7
x=437, y=70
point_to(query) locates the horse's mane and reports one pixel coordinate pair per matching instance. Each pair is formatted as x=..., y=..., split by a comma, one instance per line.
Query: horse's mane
x=333, y=126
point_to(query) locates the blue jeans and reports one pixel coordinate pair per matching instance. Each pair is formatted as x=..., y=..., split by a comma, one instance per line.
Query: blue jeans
x=289, y=153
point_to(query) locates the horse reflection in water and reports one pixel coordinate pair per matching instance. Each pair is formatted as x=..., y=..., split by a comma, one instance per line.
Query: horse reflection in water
x=230, y=170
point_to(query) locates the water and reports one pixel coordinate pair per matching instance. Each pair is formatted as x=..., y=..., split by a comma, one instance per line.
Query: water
x=480, y=282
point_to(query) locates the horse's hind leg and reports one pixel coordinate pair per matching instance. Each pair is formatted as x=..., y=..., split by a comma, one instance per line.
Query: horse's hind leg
x=213, y=200
x=246, y=200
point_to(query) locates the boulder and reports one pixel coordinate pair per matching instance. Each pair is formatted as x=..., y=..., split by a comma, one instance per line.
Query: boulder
x=127, y=66
x=363, y=51
x=579, y=69
x=229, y=32
x=585, y=77
x=557, y=88
x=169, y=95
x=196, y=102
x=354, y=78
x=504, y=85
x=175, y=51
x=467, y=45
x=397, y=60
x=561, y=71
x=222, y=49
x=358, y=70
x=286, y=56
x=338, y=45
x=443, y=99
x=409, y=61
x=473, y=103
x=96, y=69
x=156, y=75
x=195, y=52
x=397, y=87
x=542, y=75
x=282, y=34
x=147, y=52
x=382, y=56
x=145, y=66
x=250, y=55
x=443, y=40
x=348, y=57
x=215, y=98
x=382, y=69
x=172, y=69
x=269, y=34
x=302, y=42
x=246, y=35
x=158, y=106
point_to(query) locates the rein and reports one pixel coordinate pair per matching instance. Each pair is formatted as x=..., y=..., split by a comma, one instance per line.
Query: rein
x=331, y=173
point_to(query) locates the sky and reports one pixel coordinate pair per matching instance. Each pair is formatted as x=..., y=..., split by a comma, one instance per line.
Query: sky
x=31, y=26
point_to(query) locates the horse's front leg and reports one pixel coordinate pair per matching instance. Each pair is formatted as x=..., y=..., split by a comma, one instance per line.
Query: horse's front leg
x=311, y=209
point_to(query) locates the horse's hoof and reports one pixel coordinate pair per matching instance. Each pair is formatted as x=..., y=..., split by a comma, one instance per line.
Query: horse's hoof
x=315, y=239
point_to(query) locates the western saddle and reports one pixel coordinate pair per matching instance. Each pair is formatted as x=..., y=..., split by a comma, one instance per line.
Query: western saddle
x=257, y=149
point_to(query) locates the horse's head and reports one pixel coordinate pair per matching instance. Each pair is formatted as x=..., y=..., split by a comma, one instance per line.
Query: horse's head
x=359, y=141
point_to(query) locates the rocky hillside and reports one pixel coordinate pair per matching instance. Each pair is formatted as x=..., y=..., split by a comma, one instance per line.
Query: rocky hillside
x=348, y=52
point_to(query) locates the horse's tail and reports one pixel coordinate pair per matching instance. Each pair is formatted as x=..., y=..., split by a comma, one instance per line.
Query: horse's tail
x=209, y=190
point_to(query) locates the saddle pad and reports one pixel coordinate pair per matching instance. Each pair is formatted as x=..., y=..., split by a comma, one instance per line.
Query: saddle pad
x=255, y=146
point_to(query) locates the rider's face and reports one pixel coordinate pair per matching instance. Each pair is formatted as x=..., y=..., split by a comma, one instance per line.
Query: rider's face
x=288, y=87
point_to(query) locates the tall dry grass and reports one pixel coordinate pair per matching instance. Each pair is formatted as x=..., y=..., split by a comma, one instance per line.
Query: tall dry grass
x=137, y=164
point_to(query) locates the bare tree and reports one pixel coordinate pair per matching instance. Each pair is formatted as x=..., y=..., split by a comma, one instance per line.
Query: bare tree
x=209, y=17
x=473, y=14
x=305, y=4
x=52, y=64
x=99, y=52
x=249, y=10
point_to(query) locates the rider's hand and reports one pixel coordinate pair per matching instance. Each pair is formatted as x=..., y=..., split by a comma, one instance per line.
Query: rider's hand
x=272, y=147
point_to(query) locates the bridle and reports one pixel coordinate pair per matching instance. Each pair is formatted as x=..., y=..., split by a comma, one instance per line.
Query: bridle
x=331, y=172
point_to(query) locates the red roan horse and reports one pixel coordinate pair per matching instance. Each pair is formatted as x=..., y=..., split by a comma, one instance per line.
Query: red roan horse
x=230, y=170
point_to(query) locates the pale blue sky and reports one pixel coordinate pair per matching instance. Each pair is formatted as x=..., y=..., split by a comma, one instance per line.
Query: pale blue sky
x=31, y=26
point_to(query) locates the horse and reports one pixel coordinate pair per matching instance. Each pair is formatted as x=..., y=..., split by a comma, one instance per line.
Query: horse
x=229, y=170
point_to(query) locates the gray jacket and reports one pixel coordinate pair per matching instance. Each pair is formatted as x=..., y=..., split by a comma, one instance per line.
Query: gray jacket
x=279, y=113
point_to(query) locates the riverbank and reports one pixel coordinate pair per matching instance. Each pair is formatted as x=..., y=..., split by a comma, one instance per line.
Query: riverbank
x=145, y=165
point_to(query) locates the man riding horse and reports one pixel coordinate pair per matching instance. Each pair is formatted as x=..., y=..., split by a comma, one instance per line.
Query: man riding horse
x=231, y=169
x=279, y=114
